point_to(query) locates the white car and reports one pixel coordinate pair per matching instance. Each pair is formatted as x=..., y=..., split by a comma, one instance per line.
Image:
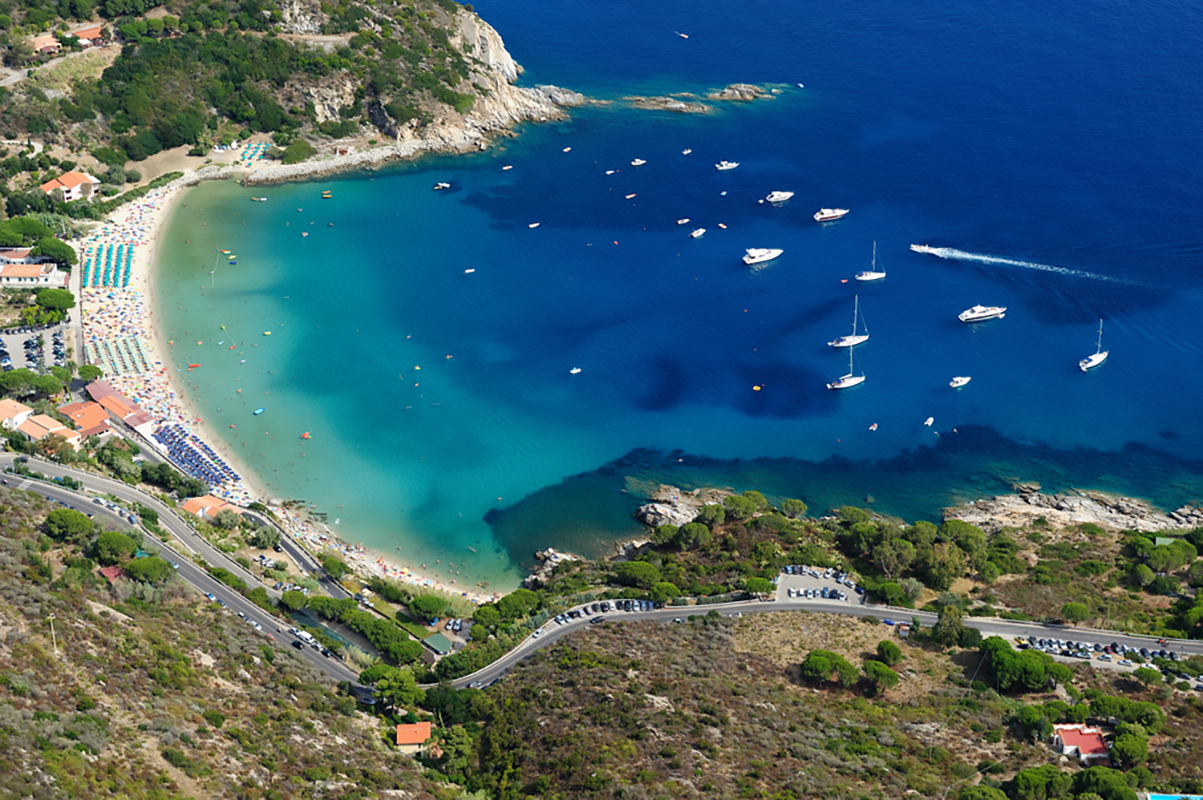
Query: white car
x=1125, y=663
x=791, y=591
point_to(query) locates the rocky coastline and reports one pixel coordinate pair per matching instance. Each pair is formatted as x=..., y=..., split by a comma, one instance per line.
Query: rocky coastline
x=669, y=505
x=1075, y=507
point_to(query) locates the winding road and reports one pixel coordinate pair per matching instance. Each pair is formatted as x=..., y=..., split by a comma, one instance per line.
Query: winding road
x=187, y=540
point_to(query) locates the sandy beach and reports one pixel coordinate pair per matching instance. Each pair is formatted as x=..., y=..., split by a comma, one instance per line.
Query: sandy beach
x=121, y=336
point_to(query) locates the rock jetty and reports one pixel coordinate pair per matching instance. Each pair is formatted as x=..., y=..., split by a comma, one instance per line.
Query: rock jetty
x=671, y=506
x=1073, y=508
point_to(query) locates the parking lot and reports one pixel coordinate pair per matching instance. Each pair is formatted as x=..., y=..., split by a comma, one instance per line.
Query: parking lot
x=33, y=348
x=804, y=582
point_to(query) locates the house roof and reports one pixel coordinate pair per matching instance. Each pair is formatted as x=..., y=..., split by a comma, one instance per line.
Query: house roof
x=95, y=430
x=87, y=33
x=438, y=643
x=39, y=426
x=23, y=270
x=10, y=409
x=1089, y=741
x=85, y=415
x=45, y=40
x=207, y=506
x=112, y=573
x=415, y=733
x=68, y=180
x=99, y=389
x=15, y=253
x=117, y=405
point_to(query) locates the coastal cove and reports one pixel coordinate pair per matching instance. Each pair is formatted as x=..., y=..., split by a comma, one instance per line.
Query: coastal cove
x=443, y=416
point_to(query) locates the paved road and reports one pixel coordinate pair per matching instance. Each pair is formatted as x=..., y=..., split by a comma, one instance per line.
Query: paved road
x=182, y=555
x=988, y=626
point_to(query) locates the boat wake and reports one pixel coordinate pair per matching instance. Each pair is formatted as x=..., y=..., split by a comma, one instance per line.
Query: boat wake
x=961, y=255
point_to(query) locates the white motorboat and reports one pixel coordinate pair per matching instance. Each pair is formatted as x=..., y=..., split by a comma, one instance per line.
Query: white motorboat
x=1100, y=355
x=828, y=214
x=779, y=197
x=982, y=313
x=759, y=255
x=687, y=151
x=723, y=166
x=697, y=234
x=959, y=381
x=534, y=225
x=872, y=274
x=574, y=371
x=639, y=162
x=923, y=248
x=441, y=185
x=683, y=221
x=507, y=167
x=855, y=338
x=849, y=380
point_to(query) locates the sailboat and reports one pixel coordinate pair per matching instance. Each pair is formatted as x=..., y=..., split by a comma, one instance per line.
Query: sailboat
x=871, y=274
x=1100, y=355
x=855, y=338
x=849, y=380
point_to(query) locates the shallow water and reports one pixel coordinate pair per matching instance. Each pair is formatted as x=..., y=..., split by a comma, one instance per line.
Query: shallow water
x=1054, y=148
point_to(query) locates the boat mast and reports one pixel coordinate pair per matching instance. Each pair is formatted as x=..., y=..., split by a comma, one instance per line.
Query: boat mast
x=1099, y=348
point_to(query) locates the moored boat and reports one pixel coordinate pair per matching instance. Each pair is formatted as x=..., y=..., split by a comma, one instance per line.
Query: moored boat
x=723, y=166
x=982, y=313
x=871, y=274
x=829, y=214
x=855, y=338
x=441, y=185
x=959, y=381
x=1100, y=355
x=759, y=255
x=697, y=233
x=779, y=197
x=849, y=380
x=639, y=162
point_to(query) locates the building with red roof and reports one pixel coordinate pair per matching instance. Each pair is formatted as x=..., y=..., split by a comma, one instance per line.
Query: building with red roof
x=411, y=738
x=1083, y=742
x=90, y=419
x=72, y=186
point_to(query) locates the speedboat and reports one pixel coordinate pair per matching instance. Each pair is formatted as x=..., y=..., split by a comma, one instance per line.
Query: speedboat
x=959, y=381
x=683, y=221
x=697, y=234
x=1100, y=355
x=982, y=313
x=533, y=225
x=441, y=185
x=726, y=165
x=759, y=255
x=828, y=214
x=849, y=380
x=687, y=151
x=258, y=411
x=871, y=274
x=923, y=248
x=574, y=371
x=507, y=167
x=779, y=197
x=855, y=338
x=639, y=162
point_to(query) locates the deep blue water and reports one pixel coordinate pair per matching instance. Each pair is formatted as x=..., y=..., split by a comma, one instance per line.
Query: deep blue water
x=1056, y=147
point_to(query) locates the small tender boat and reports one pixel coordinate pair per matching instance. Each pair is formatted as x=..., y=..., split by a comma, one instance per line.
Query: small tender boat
x=959, y=381
x=871, y=274
x=855, y=338
x=566, y=149
x=639, y=162
x=697, y=234
x=759, y=255
x=469, y=271
x=258, y=411
x=267, y=333
x=779, y=197
x=982, y=313
x=849, y=380
x=574, y=371
x=687, y=151
x=507, y=167
x=929, y=421
x=723, y=166
x=801, y=86
x=683, y=221
x=533, y=225
x=259, y=199
x=193, y=366
x=611, y=171
x=629, y=196
x=721, y=225
x=829, y=214
x=441, y=185
x=1100, y=355
x=305, y=435
x=326, y=195
x=873, y=427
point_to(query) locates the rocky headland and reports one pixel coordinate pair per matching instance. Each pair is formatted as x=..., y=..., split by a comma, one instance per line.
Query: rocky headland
x=1076, y=507
x=671, y=506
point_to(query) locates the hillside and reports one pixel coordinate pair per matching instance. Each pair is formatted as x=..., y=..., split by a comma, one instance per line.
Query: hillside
x=149, y=691
x=192, y=76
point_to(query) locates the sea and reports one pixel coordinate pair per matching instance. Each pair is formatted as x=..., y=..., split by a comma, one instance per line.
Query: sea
x=425, y=340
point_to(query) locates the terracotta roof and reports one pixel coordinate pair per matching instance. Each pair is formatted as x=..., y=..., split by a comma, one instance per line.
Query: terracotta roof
x=23, y=270
x=15, y=253
x=11, y=408
x=85, y=415
x=1089, y=741
x=207, y=506
x=99, y=389
x=69, y=180
x=417, y=733
x=87, y=33
x=95, y=430
x=117, y=405
x=112, y=573
x=45, y=40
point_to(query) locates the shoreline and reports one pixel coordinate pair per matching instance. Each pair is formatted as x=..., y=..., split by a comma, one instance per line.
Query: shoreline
x=129, y=312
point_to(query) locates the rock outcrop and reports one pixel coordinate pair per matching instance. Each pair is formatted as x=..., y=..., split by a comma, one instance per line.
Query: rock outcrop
x=1073, y=508
x=669, y=103
x=296, y=18
x=740, y=91
x=671, y=506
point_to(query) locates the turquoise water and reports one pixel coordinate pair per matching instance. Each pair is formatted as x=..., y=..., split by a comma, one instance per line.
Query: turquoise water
x=1065, y=177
